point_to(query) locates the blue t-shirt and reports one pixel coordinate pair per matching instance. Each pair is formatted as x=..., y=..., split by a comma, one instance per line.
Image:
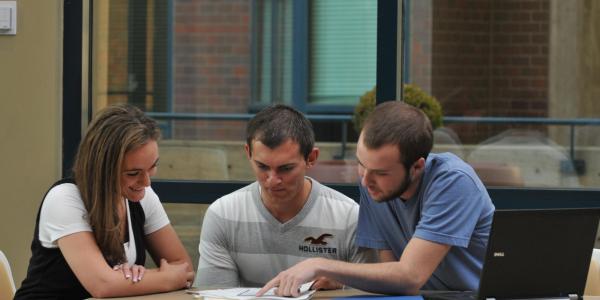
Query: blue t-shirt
x=451, y=207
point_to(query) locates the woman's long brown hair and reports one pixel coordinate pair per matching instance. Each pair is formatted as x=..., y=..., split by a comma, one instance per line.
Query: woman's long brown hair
x=97, y=170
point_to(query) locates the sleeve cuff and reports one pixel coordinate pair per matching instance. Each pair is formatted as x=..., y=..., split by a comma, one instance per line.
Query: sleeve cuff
x=55, y=236
x=150, y=229
x=441, y=238
x=369, y=243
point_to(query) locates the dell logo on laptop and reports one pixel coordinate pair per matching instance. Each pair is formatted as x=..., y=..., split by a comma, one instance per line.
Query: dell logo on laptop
x=498, y=254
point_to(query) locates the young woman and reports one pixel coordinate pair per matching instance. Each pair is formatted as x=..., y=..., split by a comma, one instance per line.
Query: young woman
x=92, y=231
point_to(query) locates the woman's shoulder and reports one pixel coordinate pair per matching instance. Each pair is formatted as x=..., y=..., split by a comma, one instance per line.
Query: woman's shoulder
x=62, y=213
x=150, y=199
x=64, y=188
x=63, y=193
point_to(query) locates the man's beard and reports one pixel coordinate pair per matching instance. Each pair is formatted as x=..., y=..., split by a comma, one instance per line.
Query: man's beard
x=399, y=191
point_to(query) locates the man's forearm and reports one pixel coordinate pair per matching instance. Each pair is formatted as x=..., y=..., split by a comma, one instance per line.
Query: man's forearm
x=385, y=278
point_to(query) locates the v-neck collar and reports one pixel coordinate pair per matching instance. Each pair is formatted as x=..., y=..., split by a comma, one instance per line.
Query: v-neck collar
x=291, y=223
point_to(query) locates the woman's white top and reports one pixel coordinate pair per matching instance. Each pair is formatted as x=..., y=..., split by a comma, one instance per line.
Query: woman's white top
x=63, y=213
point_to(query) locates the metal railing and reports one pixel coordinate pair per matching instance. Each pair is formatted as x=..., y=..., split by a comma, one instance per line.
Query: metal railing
x=572, y=123
x=345, y=119
x=342, y=119
x=178, y=191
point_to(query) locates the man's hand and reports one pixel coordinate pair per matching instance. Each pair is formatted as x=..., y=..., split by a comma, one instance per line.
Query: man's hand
x=181, y=277
x=288, y=282
x=324, y=283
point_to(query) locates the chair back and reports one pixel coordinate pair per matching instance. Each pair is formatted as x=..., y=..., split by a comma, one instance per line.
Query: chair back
x=592, y=285
x=7, y=285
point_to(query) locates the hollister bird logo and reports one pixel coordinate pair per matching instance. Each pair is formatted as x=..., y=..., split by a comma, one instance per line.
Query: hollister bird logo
x=320, y=240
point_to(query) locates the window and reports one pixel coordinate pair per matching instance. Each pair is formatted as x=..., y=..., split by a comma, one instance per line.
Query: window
x=196, y=59
x=197, y=65
x=325, y=51
x=201, y=66
x=343, y=47
x=498, y=68
x=515, y=79
x=133, y=59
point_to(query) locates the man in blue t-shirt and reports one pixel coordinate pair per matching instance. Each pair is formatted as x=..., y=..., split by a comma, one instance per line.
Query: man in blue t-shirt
x=428, y=215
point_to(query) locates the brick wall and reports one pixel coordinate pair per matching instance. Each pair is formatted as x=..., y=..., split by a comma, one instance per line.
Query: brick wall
x=118, y=48
x=478, y=57
x=211, y=65
x=520, y=38
x=486, y=58
x=421, y=25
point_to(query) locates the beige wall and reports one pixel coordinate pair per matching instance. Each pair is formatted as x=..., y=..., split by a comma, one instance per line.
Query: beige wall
x=574, y=66
x=30, y=116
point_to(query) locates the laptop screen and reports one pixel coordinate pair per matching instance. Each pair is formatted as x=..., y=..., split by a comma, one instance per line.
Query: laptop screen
x=538, y=253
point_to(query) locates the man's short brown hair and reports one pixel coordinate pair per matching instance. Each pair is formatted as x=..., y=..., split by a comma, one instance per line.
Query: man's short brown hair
x=275, y=124
x=397, y=123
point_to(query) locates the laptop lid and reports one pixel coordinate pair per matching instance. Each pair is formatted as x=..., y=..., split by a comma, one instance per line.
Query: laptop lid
x=538, y=253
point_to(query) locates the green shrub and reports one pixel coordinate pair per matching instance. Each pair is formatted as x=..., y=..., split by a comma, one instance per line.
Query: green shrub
x=413, y=95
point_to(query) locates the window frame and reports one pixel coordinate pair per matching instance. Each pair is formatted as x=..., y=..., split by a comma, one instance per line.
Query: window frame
x=300, y=58
x=389, y=78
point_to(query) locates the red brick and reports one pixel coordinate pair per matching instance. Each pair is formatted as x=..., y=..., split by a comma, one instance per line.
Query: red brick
x=504, y=27
x=529, y=50
x=519, y=83
x=540, y=16
x=530, y=5
x=519, y=104
x=539, y=61
x=520, y=39
x=519, y=61
x=506, y=5
x=539, y=38
x=530, y=27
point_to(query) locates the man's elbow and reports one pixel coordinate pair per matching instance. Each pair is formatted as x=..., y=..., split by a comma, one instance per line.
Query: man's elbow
x=411, y=283
x=412, y=287
x=404, y=285
x=411, y=291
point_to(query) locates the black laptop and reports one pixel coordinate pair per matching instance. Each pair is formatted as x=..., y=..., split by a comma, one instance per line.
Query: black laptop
x=540, y=253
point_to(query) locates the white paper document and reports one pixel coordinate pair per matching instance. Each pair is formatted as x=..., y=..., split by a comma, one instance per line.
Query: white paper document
x=250, y=293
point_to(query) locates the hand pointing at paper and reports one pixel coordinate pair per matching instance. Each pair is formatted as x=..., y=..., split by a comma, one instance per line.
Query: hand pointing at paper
x=324, y=283
x=288, y=282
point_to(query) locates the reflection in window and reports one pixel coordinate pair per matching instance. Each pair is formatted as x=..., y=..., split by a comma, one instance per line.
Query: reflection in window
x=209, y=57
x=499, y=58
x=343, y=48
x=131, y=55
x=508, y=59
x=341, y=44
x=486, y=59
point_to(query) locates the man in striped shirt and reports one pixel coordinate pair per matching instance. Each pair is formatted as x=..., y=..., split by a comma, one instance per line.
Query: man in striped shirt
x=252, y=234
